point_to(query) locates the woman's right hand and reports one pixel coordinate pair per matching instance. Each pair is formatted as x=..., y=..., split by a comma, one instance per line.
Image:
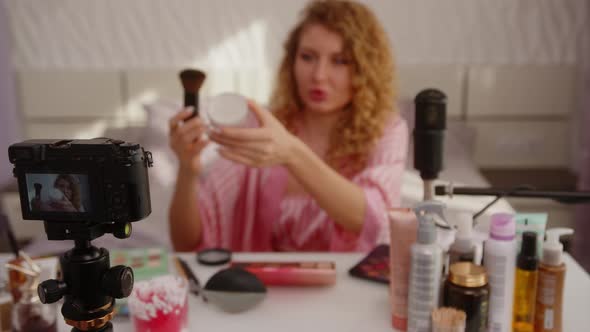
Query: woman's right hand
x=187, y=140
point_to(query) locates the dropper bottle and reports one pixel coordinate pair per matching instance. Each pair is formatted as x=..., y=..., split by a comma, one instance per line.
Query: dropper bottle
x=549, y=305
x=525, y=285
x=426, y=269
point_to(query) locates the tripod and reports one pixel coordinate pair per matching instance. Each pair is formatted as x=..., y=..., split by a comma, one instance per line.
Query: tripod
x=89, y=285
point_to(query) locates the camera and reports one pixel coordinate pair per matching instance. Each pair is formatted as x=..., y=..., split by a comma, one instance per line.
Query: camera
x=82, y=188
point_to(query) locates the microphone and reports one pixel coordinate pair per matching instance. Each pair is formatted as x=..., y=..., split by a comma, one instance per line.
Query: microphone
x=429, y=128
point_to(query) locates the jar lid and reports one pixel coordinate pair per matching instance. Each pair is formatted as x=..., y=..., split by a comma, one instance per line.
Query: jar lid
x=467, y=274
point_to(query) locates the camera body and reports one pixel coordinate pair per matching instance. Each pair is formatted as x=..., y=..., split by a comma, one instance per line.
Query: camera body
x=81, y=188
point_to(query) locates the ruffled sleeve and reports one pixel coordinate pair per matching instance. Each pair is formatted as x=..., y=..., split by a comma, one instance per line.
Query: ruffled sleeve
x=381, y=184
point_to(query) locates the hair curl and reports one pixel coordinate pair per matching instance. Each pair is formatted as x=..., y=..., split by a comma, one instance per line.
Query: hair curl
x=373, y=80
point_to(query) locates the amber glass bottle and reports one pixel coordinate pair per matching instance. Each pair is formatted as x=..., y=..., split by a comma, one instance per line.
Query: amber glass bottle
x=525, y=285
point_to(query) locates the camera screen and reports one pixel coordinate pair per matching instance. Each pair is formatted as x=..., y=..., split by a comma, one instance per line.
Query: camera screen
x=67, y=193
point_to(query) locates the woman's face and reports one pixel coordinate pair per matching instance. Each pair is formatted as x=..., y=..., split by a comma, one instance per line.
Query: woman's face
x=322, y=71
x=65, y=188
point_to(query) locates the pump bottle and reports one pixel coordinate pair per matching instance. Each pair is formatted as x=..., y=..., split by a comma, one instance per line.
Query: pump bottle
x=549, y=303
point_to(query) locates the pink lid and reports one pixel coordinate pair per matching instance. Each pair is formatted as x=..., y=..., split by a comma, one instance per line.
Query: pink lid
x=502, y=226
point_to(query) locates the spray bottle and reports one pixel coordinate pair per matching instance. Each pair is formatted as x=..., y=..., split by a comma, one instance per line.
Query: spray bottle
x=549, y=303
x=500, y=261
x=426, y=268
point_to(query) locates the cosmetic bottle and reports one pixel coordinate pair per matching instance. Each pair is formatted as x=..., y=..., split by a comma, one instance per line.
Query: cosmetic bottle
x=425, y=270
x=549, y=303
x=463, y=249
x=525, y=284
x=499, y=262
x=403, y=227
x=534, y=222
x=5, y=309
x=467, y=289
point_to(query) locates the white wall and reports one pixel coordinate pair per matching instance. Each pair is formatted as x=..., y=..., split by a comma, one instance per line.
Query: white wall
x=141, y=33
x=243, y=39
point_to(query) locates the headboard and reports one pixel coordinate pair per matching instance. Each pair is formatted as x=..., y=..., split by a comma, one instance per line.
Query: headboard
x=521, y=113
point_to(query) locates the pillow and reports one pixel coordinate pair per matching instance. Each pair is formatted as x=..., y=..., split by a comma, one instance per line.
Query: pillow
x=159, y=113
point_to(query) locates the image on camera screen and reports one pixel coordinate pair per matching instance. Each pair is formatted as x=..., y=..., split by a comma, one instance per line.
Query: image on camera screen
x=58, y=193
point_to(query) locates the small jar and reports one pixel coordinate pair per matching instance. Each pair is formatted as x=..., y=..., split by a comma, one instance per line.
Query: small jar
x=467, y=289
x=28, y=313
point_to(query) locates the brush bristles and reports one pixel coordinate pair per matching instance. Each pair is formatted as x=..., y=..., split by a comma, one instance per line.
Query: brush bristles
x=192, y=80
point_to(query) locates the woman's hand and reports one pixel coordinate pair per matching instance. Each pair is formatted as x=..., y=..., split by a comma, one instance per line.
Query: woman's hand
x=36, y=204
x=187, y=141
x=268, y=145
x=62, y=205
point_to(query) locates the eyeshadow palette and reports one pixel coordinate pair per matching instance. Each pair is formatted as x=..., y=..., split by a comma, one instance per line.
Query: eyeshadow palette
x=374, y=266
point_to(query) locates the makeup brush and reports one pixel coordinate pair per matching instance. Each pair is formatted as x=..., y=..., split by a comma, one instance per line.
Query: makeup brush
x=38, y=188
x=192, y=80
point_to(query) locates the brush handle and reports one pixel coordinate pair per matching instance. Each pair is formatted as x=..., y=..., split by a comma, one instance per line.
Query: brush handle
x=192, y=99
x=38, y=187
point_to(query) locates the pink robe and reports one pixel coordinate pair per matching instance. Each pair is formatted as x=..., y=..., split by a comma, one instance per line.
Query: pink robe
x=245, y=209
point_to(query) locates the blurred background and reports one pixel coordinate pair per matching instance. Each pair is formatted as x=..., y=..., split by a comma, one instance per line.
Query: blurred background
x=517, y=75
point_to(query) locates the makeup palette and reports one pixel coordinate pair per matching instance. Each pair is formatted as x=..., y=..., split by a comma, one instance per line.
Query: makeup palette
x=375, y=266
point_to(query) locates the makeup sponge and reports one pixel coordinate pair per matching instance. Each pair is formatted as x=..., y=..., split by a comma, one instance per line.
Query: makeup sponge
x=234, y=290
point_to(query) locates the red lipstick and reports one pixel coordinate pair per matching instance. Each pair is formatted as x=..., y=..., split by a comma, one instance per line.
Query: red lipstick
x=318, y=95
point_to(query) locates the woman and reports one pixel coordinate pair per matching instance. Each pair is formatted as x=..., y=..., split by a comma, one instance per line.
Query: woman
x=68, y=200
x=320, y=171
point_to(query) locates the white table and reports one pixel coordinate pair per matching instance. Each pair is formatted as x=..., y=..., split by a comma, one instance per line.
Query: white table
x=350, y=305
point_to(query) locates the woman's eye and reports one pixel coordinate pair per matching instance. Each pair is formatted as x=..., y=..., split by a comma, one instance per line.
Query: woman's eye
x=341, y=61
x=306, y=57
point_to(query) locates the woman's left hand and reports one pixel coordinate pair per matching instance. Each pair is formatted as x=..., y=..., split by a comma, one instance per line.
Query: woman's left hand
x=268, y=145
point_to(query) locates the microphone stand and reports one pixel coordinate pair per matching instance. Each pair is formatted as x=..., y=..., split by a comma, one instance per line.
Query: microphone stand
x=565, y=197
x=428, y=189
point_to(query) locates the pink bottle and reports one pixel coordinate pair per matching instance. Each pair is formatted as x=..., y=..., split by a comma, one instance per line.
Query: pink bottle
x=403, y=226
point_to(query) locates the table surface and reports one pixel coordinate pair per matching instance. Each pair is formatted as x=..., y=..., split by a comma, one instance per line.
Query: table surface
x=349, y=305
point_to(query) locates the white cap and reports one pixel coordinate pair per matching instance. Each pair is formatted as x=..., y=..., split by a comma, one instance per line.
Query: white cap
x=463, y=220
x=552, y=248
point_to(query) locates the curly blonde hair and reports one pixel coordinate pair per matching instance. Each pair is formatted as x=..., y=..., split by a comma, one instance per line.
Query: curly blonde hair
x=373, y=72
